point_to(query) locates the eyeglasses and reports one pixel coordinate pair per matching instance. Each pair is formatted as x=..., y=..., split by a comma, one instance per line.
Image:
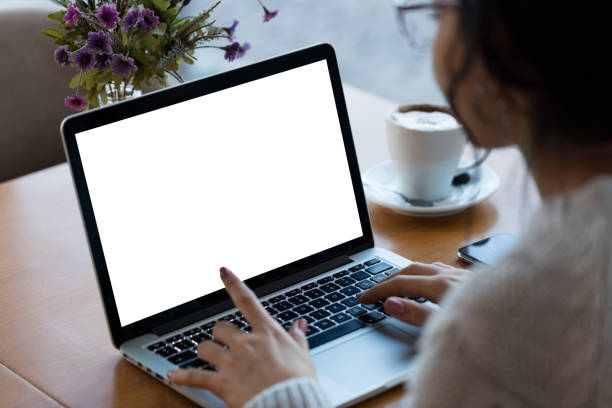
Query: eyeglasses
x=418, y=20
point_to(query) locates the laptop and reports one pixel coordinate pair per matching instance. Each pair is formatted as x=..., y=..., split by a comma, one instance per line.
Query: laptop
x=254, y=169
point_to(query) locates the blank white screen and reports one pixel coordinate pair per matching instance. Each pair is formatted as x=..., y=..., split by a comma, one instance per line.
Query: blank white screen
x=252, y=177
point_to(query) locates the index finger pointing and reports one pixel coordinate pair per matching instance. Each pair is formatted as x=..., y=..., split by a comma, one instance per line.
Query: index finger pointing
x=244, y=299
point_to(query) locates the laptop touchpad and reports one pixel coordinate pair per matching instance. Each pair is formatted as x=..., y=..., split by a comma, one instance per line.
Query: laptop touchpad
x=365, y=362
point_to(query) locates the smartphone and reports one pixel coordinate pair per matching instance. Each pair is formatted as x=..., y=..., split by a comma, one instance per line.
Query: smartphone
x=488, y=250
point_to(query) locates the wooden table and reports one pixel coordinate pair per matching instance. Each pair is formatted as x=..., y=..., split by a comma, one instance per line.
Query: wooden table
x=55, y=348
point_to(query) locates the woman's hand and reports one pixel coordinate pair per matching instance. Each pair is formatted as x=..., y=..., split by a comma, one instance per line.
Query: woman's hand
x=430, y=281
x=252, y=361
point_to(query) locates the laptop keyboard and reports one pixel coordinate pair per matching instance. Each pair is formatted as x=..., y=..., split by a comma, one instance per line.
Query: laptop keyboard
x=329, y=305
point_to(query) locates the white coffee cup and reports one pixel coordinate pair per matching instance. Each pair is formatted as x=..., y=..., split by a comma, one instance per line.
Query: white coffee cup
x=426, y=143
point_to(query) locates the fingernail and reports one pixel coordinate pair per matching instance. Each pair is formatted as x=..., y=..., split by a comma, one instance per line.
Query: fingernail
x=394, y=306
x=225, y=272
x=360, y=296
x=303, y=324
x=169, y=374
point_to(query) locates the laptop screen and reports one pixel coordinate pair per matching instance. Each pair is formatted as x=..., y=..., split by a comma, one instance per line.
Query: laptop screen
x=252, y=177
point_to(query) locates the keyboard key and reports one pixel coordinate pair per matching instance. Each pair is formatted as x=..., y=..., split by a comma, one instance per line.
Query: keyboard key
x=335, y=332
x=391, y=272
x=192, y=332
x=361, y=275
x=336, y=307
x=340, y=274
x=182, y=357
x=372, y=262
x=310, y=330
x=238, y=315
x=350, y=290
x=319, y=314
x=293, y=292
x=282, y=306
x=288, y=315
x=310, y=286
x=350, y=302
x=166, y=351
x=265, y=303
x=309, y=319
x=325, y=280
x=419, y=299
x=238, y=323
x=184, y=344
x=356, y=311
x=376, y=269
x=314, y=293
x=370, y=307
x=334, y=297
x=277, y=299
x=247, y=328
x=174, y=339
x=372, y=317
x=366, y=284
x=378, y=278
x=303, y=309
x=330, y=287
x=344, y=281
x=341, y=318
x=299, y=300
x=271, y=310
x=356, y=268
x=198, y=338
x=194, y=364
x=325, y=324
x=156, y=346
x=208, y=326
x=319, y=303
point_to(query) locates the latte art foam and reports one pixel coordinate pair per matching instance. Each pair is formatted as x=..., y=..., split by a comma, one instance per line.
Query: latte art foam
x=425, y=121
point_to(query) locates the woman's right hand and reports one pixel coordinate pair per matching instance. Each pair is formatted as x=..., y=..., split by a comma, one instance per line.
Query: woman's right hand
x=430, y=281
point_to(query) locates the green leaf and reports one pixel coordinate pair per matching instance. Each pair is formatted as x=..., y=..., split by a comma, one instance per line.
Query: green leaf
x=105, y=76
x=161, y=29
x=104, y=97
x=161, y=5
x=57, y=16
x=140, y=55
x=53, y=33
x=74, y=82
x=187, y=60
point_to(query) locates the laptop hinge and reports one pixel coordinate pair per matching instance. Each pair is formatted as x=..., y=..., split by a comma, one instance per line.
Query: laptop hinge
x=262, y=291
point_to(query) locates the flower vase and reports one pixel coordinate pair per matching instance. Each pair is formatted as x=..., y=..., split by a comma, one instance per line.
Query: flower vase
x=117, y=91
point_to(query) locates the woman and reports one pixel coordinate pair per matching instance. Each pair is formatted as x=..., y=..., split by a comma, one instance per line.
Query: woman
x=536, y=330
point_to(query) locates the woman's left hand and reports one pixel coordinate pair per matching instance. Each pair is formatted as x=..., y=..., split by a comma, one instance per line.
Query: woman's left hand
x=252, y=361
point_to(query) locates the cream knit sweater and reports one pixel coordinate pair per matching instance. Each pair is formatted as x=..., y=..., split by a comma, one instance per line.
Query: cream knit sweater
x=533, y=331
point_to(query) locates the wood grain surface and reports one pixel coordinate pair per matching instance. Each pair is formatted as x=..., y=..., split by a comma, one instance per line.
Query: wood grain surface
x=52, y=324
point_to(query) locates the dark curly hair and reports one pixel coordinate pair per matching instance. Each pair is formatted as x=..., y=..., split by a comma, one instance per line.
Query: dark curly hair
x=553, y=52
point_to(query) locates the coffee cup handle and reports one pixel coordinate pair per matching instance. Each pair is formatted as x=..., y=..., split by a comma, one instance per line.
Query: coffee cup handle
x=476, y=163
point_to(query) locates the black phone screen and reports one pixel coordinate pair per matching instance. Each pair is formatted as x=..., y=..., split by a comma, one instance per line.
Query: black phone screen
x=488, y=250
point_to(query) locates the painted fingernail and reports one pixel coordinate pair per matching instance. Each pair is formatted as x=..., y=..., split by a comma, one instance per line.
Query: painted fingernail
x=224, y=272
x=394, y=306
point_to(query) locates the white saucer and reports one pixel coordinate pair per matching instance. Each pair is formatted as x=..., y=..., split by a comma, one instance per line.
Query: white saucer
x=381, y=186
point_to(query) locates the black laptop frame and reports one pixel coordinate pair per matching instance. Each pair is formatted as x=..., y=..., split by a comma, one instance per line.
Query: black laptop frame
x=200, y=307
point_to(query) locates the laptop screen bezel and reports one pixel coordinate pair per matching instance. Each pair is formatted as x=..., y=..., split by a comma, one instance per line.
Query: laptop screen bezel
x=80, y=122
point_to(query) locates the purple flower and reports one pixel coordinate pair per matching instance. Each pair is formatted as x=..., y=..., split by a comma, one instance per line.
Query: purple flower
x=73, y=14
x=230, y=30
x=235, y=50
x=122, y=66
x=63, y=56
x=108, y=16
x=148, y=19
x=76, y=102
x=85, y=60
x=269, y=15
x=102, y=61
x=99, y=42
x=131, y=20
